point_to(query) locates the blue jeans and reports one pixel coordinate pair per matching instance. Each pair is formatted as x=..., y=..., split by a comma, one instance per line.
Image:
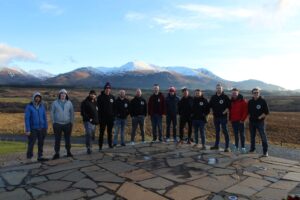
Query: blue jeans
x=221, y=122
x=199, y=125
x=119, y=127
x=138, y=120
x=171, y=119
x=239, y=132
x=40, y=136
x=156, y=121
x=89, y=132
x=260, y=126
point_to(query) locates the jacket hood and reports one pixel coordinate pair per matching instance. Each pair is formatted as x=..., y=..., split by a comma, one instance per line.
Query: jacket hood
x=36, y=94
x=63, y=91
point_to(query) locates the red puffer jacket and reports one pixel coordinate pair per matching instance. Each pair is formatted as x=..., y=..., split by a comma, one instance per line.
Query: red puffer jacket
x=238, y=109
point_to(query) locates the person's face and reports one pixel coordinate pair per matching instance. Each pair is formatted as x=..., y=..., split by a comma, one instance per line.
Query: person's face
x=107, y=91
x=122, y=94
x=138, y=93
x=197, y=93
x=92, y=96
x=37, y=99
x=185, y=93
x=156, y=89
x=172, y=93
x=255, y=94
x=234, y=94
x=62, y=96
x=219, y=89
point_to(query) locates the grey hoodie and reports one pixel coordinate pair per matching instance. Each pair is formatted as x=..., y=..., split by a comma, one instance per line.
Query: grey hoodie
x=63, y=115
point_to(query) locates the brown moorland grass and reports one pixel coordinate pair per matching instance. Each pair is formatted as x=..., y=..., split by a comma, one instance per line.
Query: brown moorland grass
x=283, y=128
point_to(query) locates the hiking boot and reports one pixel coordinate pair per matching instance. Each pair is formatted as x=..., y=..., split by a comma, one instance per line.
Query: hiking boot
x=266, y=154
x=132, y=143
x=89, y=151
x=243, y=151
x=226, y=150
x=123, y=144
x=56, y=156
x=42, y=159
x=214, y=148
x=69, y=154
x=203, y=147
x=252, y=151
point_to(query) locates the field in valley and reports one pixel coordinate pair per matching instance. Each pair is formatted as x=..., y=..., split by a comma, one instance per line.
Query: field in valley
x=283, y=128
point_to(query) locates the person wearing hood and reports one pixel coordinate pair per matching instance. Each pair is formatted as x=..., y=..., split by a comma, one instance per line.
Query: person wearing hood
x=199, y=116
x=122, y=111
x=156, y=110
x=258, y=110
x=220, y=104
x=62, y=115
x=171, y=113
x=237, y=115
x=36, y=125
x=106, y=111
x=89, y=113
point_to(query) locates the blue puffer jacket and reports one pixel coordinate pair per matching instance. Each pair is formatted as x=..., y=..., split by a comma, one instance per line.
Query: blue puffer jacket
x=35, y=116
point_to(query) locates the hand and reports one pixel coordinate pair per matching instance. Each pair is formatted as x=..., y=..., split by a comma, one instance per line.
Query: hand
x=27, y=133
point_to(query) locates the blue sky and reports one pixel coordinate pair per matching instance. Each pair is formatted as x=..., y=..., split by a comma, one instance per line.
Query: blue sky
x=235, y=39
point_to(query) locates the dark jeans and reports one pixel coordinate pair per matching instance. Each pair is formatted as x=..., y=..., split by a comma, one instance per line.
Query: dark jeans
x=182, y=121
x=108, y=125
x=138, y=120
x=89, y=132
x=119, y=127
x=40, y=136
x=260, y=126
x=171, y=119
x=221, y=122
x=239, y=132
x=58, y=129
x=156, y=121
x=199, y=125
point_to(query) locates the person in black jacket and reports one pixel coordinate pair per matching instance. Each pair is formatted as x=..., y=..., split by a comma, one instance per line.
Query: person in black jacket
x=89, y=113
x=199, y=116
x=171, y=112
x=122, y=111
x=185, y=115
x=138, y=112
x=258, y=110
x=220, y=104
x=106, y=108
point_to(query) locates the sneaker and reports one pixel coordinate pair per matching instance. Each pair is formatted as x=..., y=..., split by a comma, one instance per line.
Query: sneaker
x=123, y=144
x=69, y=154
x=56, y=156
x=214, y=148
x=243, y=150
x=114, y=145
x=252, y=151
x=234, y=149
x=111, y=146
x=143, y=142
x=227, y=150
x=89, y=151
x=203, y=147
x=168, y=140
x=42, y=159
x=265, y=154
x=132, y=143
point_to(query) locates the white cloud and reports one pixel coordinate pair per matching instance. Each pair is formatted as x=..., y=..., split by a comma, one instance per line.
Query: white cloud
x=134, y=16
x=10, y=54
x=51, y=9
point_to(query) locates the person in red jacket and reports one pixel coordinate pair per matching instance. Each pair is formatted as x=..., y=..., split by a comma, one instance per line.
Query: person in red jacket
x=237, y=115
x=156, y=109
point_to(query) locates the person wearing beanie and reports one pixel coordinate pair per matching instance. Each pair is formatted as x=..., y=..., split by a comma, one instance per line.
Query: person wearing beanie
x=89, y=113
x=106, y=113
x=185, y=114
x=171, y=113
x=220, y=104
x=36, y=125
x=156, y=110
x=122, y=111
x=199, y=117
x=237, y=115
x=62, y=115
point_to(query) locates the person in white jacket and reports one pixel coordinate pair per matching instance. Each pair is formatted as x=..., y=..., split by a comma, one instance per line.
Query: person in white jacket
x=62, y=115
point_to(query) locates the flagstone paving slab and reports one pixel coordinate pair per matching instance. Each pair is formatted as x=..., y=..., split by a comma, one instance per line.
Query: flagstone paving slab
x=152, y=171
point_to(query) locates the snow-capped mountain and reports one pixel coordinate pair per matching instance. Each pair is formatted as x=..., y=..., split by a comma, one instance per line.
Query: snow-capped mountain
x=41, y=74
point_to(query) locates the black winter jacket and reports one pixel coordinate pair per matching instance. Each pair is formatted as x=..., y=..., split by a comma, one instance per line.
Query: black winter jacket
x=106, y=106
x=89, y=111
x=257, y=108
x=122, y=108
x=172, y=105
x=138, y=106
x=200, y=109
x=219, y=104
x=185, y=106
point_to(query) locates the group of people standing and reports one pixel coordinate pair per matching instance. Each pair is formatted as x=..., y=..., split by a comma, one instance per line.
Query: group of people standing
x=112, y=113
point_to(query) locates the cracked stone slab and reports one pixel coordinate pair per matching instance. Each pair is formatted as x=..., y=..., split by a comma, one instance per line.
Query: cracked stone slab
x=178, y=161
x=17, y=194
x=137, y=175
x=74, y=177
x=54, y=186
x=117, y=167
x=284, y=185
x=157, y=183
x=186, y=192
x=105, y=197
x=104, y=176
x=35, y=192
x=272, y=194
x=85, y=184
x=37, y=179
x=22, y=167
x=14, y=177
x=292, y=176
x=110, y=186
x=68, y=195
x=135, y=192
x=65, y=167
x=2, y=184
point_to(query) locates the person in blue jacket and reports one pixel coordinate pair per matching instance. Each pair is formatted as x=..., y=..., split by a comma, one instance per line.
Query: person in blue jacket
x=36, y=125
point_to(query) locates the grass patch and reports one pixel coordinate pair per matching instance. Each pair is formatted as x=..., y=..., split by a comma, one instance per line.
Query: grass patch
x=15, y=100
x=11, y=147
